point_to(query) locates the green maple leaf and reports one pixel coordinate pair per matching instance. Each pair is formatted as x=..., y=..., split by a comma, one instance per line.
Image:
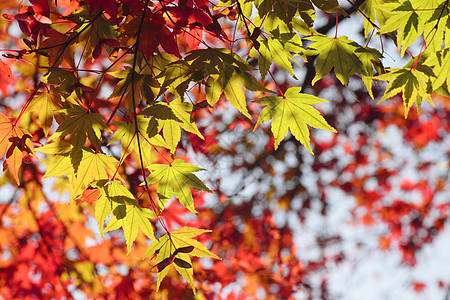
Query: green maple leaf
x=337, y=53
x=371, y=59
x=175, y=248
x=440, y=63
x=373, y=12
x=59, y=163
x=175, y=78
x=329, y=6
x=264, y=58
x=279, y=15
x=292, y=112
x=117, y=199
x=103, y=206
x=410, y=19
x=411, y=82
x=176, y=180
x=81, y=123
x=101, y=29
x=437, y=25
x=231, y=84
x=164, y=119
x=213, y=61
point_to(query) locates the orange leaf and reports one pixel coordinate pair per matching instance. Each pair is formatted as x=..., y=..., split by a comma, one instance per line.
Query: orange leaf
x=16, y=143
x=6, y=78
x=89, y=195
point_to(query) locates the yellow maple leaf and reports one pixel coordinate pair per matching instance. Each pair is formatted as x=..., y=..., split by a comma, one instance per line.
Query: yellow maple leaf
x=175, y=248
x=81, y=123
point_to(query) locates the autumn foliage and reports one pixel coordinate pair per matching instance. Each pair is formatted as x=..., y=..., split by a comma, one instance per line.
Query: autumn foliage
x=181, y=149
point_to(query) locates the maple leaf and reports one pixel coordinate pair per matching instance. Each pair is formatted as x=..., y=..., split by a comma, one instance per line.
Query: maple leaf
x=236, y=96
x=231, y=85
x=440, y=63
x=58, y=48
x=233, y=90
x=60, y=163
x=91, y=166
x=83, y=168
x=412, y=82
x=66, y=81
x=58, y=147
x=337, y=53
x=145, y=86
x=174, y=77
x=370, y=58
x=294, y=112
x=45, y=104
x=406, y=20
x=15, y=141
x=109, y=6
x=89, y=195
x=81, y=123
x=329, y=6
x=101, y=32
x=6, y=78
x=170, y=117
x=277, y=27
x=373, y=12
x=117, y=199
x=175, y=180
x=436, y=27
x=126, y=134
x=213, y=89
x=176, y=248
x=157, y=34
x=182, y=112
x=233, y=76
x=273, y=50
x=412, y=18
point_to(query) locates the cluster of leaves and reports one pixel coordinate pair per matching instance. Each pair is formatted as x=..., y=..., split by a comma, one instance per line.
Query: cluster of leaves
x=109, y=91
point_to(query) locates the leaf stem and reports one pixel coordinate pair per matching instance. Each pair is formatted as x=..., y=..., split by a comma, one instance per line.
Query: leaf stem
x=133, y=98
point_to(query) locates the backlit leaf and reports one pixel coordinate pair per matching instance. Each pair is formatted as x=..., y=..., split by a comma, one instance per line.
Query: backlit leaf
x=292, y=112
x=15, y=142
x=412, y=82
x=176, y=180
x=91, y=166
x=338, y=54
x=81, y=124
x=126, y=134
x=117, y=199
x=45, y=104
x=176, y=247
x=440, y=62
